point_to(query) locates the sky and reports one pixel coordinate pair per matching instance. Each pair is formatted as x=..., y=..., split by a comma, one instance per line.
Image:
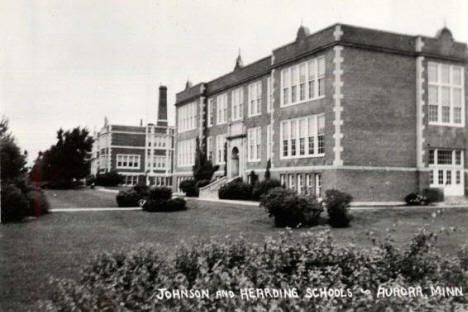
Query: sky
x=68, y=63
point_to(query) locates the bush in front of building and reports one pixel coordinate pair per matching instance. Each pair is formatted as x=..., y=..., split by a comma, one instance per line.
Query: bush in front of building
x=289, y=209
x=263, y=187
x=38, y=203
x=414, y=199
x=337, y=204
x=160, y=193
x=161, y=205
x=298, y=265
x=434, y=194
x=111, y=178
x=202, y=183
x=128, y=198
x=235, y=190
x=189, y=187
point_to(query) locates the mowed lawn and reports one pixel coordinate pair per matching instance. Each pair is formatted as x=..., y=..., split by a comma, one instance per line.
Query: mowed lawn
x=59, y=243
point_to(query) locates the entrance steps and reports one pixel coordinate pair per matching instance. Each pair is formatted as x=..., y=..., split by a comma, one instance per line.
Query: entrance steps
x=210, y=191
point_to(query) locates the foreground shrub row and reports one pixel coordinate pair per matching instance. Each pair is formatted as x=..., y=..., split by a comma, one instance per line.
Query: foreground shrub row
x=239, y=190
x=132, y=281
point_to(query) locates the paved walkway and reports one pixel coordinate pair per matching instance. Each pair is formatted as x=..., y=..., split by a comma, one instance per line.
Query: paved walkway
x=94, y=209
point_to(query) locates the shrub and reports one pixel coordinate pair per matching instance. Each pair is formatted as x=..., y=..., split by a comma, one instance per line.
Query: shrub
x=160, y=205
x=142, y=189
x=202, y=183
x=38, y=204
x=160, y=193
x=337, y=204
x=262, y=188
x=414, y=199
x=189, y=187
x=433, y=195
x=128, y=198
x=289, y=209
x=14, y=204
x=131, y=281
x=253, y=177
x=235, y=190
x=111, y=178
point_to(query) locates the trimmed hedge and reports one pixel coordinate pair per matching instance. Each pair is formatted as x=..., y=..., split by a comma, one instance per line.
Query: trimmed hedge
x=160, y=193
x=235, y=190
x=433, y=195
x=131, y=281
x=128, y=198
x=189, y=187
x=337, y=204
x=111, y=178
x=289, y=209
x=160, y=205
x=14, y=204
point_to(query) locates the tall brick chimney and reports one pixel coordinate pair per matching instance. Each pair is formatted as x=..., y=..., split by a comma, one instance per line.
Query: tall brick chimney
x=162, y=110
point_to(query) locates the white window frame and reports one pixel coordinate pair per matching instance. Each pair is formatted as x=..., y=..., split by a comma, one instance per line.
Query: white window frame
x=237, y=104
x=186, y=117
x=254, y=143
x=209, y=149
x=269, y=95
x=127, y=158
x=186, y=153
x=221, y=109
x=269, y=141
x=439, y=85
x=291, y=80
x=210, y=112
x=220, y=141
x=313, y=131
x=446, y=169
x=255, y=98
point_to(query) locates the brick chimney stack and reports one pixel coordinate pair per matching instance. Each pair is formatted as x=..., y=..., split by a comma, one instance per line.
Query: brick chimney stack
x=162, y=110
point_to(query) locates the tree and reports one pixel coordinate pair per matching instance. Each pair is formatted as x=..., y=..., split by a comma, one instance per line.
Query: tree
x=65, y=161
x=203, y=168
x=267, y=171
x=13, y=162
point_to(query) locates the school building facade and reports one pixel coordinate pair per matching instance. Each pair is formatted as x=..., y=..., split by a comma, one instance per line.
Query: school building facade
x=373, y=113
x=142, y=154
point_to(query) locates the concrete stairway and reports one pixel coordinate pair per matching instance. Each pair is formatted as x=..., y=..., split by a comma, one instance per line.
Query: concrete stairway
x=210, y=191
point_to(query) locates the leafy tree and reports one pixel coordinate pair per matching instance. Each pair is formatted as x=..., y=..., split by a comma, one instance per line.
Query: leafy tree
x=203, y=168
x=65, y=161
x=267, y=171
x=13, y=162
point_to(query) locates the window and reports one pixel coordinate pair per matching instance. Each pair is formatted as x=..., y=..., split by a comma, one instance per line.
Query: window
x=292, y=184
x=447, y=166
x=283, y=179
x=318, y=185
x=255, y=98
x=186, y=117
x=130, y=180
x=302, y=82
x=128, y=161
x=303, y=137
x=186, y=153
x=159, y=162
x=254, y=139
x=300, y=183
x=237, y=104
x=221, y=111
x=446, y=94
x=209, y=148
x=210, y=112
x=220, y=151
x=269, y=95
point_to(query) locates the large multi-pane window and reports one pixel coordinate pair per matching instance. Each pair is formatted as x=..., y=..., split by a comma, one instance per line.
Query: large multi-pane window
x=269, y=94
x=159, y=162
x=220, y=151
x=128, y=161
x=446, y=94
x=255, y=98
x=237, y=104
x=447, y=167
x=221, y=109
x=303, y=137
x=269, y=142
x=210, y=112
x=254, y=139
x=209, y=148
x=186, y=117
x=302, y=82
x=186, y=153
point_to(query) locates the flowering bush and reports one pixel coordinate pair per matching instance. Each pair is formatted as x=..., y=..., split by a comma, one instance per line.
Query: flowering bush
x=289, y=209
x=133, y=281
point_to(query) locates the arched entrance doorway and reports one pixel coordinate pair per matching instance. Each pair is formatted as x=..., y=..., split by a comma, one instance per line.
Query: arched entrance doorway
x=235, y=162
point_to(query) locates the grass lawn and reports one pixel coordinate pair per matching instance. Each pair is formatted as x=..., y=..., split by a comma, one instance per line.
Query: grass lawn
x=80, y=198
x=59, y=243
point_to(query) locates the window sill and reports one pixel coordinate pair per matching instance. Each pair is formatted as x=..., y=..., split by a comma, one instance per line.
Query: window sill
x=302, y=102
x=301, y=157
x=441, y=124
x=254, y=160
x=255, y=115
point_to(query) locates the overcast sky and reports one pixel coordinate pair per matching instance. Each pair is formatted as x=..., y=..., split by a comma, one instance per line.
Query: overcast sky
x=70, y=63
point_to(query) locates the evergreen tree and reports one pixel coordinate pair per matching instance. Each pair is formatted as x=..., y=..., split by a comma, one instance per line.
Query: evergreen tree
x=13, y=162
x=267, y=171
x=203, y=168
